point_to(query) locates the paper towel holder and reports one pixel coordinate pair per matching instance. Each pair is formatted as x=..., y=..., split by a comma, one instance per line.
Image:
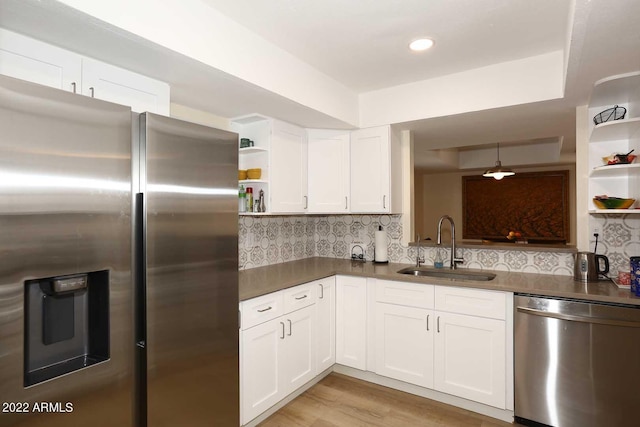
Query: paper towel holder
x=376, y=254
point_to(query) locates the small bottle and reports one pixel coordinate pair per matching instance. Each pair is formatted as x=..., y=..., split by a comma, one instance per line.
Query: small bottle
x=249, y=199
x=438, y=261
x=242, y=200
x=263, y=208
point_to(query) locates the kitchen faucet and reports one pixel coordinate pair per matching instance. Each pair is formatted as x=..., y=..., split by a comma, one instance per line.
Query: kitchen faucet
x=419, y=259
x=454, y=261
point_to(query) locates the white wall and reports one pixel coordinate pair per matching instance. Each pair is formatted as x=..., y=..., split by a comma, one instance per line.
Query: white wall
x=533, y=79
x=197, y=116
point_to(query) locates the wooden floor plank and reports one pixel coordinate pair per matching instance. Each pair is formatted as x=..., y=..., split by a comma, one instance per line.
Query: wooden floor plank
x=342, y=401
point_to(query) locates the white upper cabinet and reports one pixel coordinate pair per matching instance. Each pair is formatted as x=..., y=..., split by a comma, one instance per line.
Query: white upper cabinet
x=32, y=60
x=328, y=171
x=375, y=171
x=113, y=84
x=288, y=168
x=28, y=59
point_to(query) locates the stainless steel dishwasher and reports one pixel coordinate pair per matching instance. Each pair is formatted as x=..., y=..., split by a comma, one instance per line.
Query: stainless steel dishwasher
x=577, y=363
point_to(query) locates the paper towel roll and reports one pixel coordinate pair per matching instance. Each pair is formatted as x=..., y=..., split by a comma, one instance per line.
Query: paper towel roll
x=381, y=246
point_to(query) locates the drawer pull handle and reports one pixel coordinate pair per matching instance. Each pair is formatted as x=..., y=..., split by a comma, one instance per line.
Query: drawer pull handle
x=290, y=326
x=282, y=337
x=438, y=324
x=265, y=309
x=302, y=297
x=427, y=322
x=321, y=290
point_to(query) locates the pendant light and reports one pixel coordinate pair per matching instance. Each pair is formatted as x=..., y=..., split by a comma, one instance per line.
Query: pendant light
x=498, y=172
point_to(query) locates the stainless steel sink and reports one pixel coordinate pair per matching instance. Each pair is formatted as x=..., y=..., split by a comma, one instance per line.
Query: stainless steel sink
x=448, y=274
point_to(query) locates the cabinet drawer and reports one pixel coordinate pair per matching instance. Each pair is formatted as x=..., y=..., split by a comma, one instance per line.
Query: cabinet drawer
x=261, y=309
x=474, y=302
x=298, y=297
x=404, y=293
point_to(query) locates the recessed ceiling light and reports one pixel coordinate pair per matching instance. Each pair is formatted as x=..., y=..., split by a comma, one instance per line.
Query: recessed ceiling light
x=420, y=44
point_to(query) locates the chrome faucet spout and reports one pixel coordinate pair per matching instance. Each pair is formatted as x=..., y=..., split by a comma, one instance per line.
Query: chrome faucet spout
x=454, y=261
x=419, y=259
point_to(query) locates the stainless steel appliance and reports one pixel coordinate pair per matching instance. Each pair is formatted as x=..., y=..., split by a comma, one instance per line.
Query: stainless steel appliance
x=576, y=363
x=587, y=266
x=65, y=204
x=187, y=235
x=118, y=272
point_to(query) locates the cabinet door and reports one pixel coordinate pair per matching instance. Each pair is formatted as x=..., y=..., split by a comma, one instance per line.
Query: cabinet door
x=260, y=365
x=288, y=169
x=113, y=84
x=328, y=171
x=326, y=330
x=370, y=161
x=351, y=321
x=470, y=358
x=28, y=59
x=298, y=357
x=404, y=343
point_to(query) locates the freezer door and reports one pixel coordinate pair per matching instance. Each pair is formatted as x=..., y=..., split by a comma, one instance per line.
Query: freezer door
x=192, y=273
x=65, y=208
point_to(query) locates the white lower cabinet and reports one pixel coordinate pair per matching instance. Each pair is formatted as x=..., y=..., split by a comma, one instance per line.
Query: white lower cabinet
x=450, y=339
x=278, y=347
x=445, y=348
x=326, y=323
x=470, y=358
x=351, y=321
x=404, y=343
x=260, y=363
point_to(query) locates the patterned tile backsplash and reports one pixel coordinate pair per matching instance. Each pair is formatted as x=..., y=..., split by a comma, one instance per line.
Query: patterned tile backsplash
x=619, y=239
x=266, y=240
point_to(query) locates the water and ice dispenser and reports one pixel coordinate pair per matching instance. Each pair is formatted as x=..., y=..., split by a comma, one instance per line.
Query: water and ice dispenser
x=66, y=324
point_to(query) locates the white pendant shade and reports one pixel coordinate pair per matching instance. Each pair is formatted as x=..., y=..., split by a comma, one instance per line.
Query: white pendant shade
x=498, y=171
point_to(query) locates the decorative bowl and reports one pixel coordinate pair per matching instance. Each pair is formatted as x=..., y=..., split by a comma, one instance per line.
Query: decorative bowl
x=612, y=202
x=254, y=173
x=619, y=159
x=242, y=174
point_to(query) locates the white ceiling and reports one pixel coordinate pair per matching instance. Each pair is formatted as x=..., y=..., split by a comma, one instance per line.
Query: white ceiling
x=362, y=45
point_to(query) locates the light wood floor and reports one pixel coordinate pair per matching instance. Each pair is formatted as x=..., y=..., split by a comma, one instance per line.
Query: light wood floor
x=343, y=401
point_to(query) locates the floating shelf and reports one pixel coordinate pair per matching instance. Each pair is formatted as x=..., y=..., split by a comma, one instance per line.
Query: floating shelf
x=614, y=90
x=614, y=170
x=253, y=181
x=614, y=211
x=615, y=130
x=252, y=150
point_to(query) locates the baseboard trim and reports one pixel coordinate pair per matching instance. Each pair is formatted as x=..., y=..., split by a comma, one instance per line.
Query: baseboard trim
x=490, y=411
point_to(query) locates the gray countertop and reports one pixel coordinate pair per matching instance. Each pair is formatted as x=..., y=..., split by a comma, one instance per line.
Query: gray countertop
x=263, y=280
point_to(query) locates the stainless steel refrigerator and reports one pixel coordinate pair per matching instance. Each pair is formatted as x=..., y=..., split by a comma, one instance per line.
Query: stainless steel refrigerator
x=187, y=235
x=82, y=340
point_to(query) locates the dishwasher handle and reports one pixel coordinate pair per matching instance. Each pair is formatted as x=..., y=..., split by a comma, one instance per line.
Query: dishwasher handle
x=574, y=318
